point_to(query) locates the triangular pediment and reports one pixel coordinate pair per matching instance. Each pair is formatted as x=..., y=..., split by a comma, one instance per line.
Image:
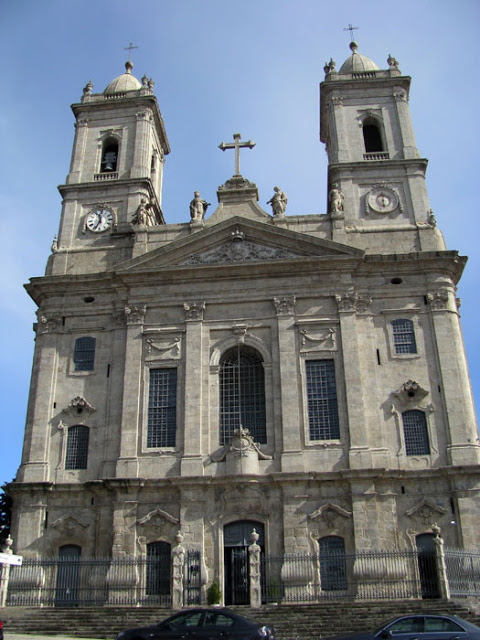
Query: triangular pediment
x=238, y=240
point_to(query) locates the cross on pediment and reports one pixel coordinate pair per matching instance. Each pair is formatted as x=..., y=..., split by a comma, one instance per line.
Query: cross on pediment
x=237, y=145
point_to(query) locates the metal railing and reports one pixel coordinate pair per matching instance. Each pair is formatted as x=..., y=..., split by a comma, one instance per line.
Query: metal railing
x=463, y=572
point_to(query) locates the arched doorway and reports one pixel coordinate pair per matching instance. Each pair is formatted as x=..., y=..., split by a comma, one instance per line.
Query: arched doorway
x=68, y=576
x=158, y=571
x=236, y=540
x=427, y=565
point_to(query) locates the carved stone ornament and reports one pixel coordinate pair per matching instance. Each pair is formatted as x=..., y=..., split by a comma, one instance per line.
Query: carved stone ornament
x=411, y=392
x=239, y=250
x=353, y=302
x=47, y=323
x=329, y=512
x=285, y=305
x=164, y=349
x=69, y=524
x=325, y=341
x=79, y=406
x=242, y=444
x=438, y=301
x=237, y=182
x=382, y=198
x=157, y=518
x=194, y=310
x=426, y=511
x=135, y=315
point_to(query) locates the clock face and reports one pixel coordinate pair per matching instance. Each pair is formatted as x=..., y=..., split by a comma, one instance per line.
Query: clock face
x=383, y=200
x=99, y=220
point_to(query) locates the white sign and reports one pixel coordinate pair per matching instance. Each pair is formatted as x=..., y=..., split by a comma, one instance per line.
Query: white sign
x=6, y=558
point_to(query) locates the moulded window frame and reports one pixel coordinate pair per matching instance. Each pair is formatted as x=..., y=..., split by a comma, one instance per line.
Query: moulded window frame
x=87, y=430
x=104, y=136
x=164, y=364
x=214, y=383
x=342, y=419
x=88, y=372
x=403, y=314
x=428, y=431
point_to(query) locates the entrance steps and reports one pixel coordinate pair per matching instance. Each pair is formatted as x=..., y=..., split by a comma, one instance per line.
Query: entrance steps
x=292, y=621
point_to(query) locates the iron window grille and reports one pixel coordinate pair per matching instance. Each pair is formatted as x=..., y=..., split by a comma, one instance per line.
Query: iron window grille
x=242, y=394
x=162, y=408
x=322, y=400
x=403, y=336
x=76, y=456
x=415, y=433
x=84, y=354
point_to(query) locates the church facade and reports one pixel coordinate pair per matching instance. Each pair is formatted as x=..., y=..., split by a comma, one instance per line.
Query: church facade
x=301, y=375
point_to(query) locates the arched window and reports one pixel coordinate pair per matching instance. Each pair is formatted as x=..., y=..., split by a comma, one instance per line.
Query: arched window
x=242, y=394
x=84, y=354
x=404, y=336
x=333, y=568
x=372, y=136
x=76, y=455
x=109, y=155
x=158, y=569
x=415, y=433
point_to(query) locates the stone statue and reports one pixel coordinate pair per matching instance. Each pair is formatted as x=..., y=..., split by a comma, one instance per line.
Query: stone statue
x=143, y=216
x=198, y=207
x=278, y=202
x=336, y=198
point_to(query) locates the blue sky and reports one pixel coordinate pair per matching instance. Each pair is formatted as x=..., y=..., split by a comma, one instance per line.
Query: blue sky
x=220, y=66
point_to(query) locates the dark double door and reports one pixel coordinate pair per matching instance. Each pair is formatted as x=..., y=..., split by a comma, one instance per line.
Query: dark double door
x=236, y=569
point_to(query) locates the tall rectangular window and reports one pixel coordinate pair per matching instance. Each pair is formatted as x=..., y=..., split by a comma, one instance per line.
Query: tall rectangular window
x=322, y=400
x=84, y=354
x=415, y=433
x=76, y=455
x=403, y=336
x=162, y=408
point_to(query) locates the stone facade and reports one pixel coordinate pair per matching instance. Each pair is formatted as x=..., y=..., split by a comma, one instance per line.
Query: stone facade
x=284, y=290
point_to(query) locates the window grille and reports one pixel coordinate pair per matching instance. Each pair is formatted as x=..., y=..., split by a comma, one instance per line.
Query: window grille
x=404, y=336
x=322, y=400
x=162, y=408
x=84, y=354
x=333, y=566
x=415, y=433
x=77, y=447
x=242, y=394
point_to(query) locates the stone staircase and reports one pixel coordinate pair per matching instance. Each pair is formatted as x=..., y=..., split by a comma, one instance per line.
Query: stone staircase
x=293, y=622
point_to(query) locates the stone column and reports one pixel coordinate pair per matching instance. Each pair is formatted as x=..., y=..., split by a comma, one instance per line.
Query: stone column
x=459, y=412
x=255, y=572
x=348, y=305
x=191, y=464
x=127, y=465
x=35, y=467
x=292, y=459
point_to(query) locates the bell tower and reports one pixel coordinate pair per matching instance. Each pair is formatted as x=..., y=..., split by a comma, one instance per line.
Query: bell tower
x=117, y=164
x=376, y=176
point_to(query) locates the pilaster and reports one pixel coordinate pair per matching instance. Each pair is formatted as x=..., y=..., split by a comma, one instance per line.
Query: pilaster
x=191, y=464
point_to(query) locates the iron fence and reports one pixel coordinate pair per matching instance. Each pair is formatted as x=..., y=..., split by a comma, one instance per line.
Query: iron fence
x=463, y=572
x=76, y=581
x=338, y=575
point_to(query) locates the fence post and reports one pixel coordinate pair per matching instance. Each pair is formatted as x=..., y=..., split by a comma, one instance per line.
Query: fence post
x=255, y=571
x=178, y=562
x=441, y=565
x=5, y=573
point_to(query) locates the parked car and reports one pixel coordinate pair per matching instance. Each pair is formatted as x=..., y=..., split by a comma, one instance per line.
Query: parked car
x=421, y=627
x=207, y=624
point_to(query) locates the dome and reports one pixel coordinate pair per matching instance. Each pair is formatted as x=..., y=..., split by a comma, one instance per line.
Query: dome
x=357, y=63
x=125, y=82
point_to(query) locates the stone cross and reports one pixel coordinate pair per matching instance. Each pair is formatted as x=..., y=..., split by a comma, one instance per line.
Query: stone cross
x=237, y=145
